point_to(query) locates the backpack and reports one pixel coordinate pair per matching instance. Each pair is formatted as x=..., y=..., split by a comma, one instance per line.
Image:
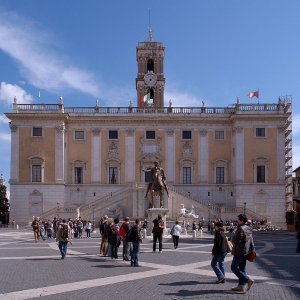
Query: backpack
x=130, y=234
x=64, y=231
x=122, y=231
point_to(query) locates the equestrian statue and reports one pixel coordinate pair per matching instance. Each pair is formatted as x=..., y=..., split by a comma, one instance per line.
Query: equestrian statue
x=157, y=185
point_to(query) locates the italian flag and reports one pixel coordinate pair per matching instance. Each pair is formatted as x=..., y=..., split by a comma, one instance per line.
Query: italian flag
x=254, y=94
x=145, y=99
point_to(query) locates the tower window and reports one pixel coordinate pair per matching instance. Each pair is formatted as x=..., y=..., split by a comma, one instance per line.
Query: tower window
x=150, y=65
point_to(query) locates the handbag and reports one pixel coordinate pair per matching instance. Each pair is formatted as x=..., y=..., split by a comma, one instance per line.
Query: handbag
x=229, y=245
x=251, y=256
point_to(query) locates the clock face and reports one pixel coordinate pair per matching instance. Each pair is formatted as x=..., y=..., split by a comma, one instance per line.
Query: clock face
x=150, y=79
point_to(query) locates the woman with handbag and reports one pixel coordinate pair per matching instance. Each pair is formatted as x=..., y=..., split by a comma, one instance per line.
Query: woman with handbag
x=219, y=251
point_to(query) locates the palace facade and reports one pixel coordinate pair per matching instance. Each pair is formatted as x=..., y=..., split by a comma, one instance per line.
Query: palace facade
x=222, y=161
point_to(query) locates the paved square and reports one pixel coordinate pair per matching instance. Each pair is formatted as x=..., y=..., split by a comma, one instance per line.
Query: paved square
x=32, y=270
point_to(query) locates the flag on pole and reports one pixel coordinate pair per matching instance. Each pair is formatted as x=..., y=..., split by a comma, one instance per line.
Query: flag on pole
x=254, y=94
x=145, y=99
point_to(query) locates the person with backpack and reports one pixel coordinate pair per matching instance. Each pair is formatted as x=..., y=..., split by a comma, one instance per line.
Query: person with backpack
x=114, y=238
x=219, y=251
x=123, y=235
x=63, y=236
x=157, y=231
x=136, y=239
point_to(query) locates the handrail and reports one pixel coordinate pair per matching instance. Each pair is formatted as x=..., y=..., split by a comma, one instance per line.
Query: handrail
x=186, y=111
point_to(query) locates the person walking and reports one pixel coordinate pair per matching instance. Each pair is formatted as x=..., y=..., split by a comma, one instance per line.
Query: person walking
x=158, y=229
x=219, y=251
x=123, y=235
x=242, y=241
x=36, y=228
x=63, y=237
x=136, y=239
x=175, y=232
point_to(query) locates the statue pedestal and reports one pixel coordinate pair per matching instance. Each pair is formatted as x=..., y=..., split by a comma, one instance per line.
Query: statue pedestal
x=152, y=214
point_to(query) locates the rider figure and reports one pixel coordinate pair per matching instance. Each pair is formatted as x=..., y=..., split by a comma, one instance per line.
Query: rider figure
x=153, y=171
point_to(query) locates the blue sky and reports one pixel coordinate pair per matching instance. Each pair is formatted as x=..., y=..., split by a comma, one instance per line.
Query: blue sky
x=216, y=51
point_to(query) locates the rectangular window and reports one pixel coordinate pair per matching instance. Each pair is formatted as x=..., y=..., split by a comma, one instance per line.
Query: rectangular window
x=113, y=175
x=36, y=175
x=78, y=175
x=37, y=131
x=113, y=134
x=79, y=135
x=260, y=174
x=186, y=134
x=187, y=179
x=220, y=175
x=260, y=132
x=150, y=135
x=219, y=135
x=148, y=177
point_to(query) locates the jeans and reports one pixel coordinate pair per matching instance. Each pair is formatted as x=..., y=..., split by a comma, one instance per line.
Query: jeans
x=217, y=263
x=135, y=254
x=125, y=249
x=63, y=247
x=88, y=233
x=238, y=267
x=114, y=250
x=159, y=237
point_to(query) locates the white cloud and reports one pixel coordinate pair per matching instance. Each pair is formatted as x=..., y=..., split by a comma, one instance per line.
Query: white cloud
x=180, y=99
x=39, y=60
x=9, y=91
x=4, y=137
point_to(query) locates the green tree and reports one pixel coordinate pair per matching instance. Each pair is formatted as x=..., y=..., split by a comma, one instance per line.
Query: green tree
x=4, y=205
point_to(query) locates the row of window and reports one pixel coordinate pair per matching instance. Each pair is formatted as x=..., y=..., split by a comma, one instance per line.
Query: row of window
x=150, y=134
x=36, y=175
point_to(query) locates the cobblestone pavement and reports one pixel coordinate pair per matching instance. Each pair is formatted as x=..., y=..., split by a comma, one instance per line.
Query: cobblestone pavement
x=32, y=270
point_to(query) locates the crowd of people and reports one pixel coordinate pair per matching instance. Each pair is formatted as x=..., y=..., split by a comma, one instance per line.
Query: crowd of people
x=48, y=229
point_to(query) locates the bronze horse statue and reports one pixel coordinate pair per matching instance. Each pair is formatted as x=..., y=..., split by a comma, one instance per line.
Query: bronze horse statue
x=157, y=187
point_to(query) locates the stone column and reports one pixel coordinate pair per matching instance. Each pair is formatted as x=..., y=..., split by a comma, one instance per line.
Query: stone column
x=281, y=155
x=14, y=163
x=239, y=154
x=130, y=156
x=170, y=156
x=96, y=155
x=203, y=156
x=59, y=153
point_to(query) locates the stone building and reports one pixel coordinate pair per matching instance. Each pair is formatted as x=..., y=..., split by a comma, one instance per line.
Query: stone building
x=68, y=161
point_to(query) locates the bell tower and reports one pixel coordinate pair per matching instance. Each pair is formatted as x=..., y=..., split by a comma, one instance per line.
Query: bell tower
x=150, y=81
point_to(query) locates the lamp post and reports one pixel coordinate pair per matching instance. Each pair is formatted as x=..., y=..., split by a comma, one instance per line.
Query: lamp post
x=93, y=207
x=208, y=227
x=245, y=203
